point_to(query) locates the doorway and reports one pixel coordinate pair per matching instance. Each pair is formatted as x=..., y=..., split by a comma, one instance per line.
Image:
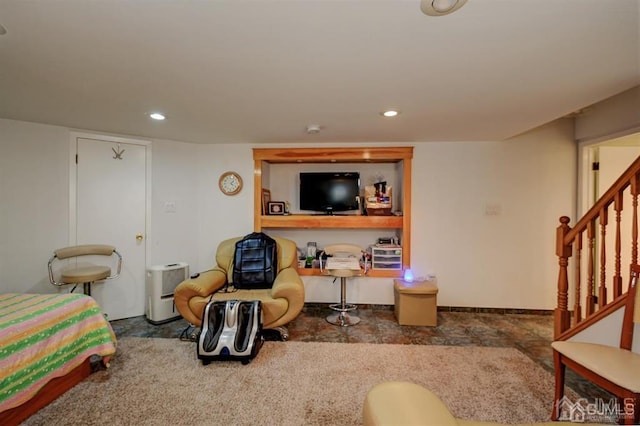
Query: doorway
x=602, y=164
x=110, y=199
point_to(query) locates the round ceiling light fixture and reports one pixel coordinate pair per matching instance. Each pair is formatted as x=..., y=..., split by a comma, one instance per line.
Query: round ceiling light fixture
x=157, y=116
x=390, y=113
x=440, y=7
x=312, y=129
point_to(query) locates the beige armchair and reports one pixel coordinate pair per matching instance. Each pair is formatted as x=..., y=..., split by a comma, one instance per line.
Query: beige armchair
x=405, y=403
x=280, y=304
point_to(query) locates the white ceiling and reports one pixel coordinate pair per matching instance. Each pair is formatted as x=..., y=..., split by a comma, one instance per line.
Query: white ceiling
x=261, y=71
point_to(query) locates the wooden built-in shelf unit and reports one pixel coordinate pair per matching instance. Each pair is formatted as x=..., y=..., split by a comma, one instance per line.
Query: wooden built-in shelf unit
x=264, y=157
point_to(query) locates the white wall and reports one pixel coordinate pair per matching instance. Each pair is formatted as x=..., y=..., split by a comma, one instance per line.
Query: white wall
x=34, y=207
x=174, y=173
x=613, y=117
x=615, y=122
x=487, y=261
x=34, y=202
x=607, y=332
x=221, y=216
x=504, y=260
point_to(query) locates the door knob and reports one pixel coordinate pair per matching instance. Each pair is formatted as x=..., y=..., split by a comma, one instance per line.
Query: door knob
x=139, y=237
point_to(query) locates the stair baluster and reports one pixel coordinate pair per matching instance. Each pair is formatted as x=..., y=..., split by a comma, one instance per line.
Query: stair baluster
x=577, y=308
x=600, y=301
x=591, y=276
x=617, y=278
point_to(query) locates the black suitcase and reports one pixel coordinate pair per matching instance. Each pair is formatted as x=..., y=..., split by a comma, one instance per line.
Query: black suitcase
x=231, y=330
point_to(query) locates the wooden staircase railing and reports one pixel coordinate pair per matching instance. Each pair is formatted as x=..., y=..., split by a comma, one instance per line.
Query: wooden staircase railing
x=601, y=289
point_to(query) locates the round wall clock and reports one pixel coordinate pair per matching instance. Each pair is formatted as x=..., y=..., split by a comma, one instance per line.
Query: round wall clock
x=230, y=183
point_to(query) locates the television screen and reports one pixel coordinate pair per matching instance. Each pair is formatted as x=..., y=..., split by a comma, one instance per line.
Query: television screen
x=329, y=191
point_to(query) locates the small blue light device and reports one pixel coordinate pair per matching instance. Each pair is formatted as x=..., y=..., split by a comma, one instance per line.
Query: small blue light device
x=408, y=275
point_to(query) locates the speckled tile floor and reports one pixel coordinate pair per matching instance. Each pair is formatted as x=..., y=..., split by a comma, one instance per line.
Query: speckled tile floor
x=529, y=333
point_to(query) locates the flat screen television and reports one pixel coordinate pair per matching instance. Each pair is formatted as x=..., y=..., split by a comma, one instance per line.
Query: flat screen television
x=329, y=192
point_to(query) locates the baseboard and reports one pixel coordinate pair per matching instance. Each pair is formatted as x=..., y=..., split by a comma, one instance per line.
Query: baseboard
x=473, y=310
x=476, y=310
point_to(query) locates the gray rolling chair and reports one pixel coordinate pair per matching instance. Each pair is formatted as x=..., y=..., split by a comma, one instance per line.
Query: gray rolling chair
x=344, y=263
x=86, y=273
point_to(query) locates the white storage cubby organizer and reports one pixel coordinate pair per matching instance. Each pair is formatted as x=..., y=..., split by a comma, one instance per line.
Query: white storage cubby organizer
x=389, y=258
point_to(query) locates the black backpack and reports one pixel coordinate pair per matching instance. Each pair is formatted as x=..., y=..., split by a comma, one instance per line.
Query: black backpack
x=255, y=263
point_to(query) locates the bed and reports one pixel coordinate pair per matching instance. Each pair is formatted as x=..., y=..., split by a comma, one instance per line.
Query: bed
x=47, y=344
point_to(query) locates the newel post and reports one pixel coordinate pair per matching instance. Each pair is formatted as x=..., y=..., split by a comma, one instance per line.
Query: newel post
x=562, y=316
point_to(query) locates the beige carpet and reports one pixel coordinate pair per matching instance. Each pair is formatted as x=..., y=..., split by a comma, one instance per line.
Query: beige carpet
x=161, y=382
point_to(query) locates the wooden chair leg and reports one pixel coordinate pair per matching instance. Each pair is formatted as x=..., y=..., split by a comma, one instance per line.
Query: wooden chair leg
x=622, y=410
x=559, y=369
x=630, y=410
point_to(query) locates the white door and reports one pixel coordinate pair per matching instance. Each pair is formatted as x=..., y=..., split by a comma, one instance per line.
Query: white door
x=111, y=209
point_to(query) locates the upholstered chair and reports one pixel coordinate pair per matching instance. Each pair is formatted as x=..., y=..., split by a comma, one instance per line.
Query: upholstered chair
x=280, y=304
x=405, y=403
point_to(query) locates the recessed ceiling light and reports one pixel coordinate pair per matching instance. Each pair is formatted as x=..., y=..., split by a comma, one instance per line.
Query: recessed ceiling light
x=312, y=129
x=390, y=113
x=157, y=116
x=440, y=7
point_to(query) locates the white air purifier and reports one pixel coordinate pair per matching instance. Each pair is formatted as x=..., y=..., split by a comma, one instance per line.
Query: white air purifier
x=161, y=282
